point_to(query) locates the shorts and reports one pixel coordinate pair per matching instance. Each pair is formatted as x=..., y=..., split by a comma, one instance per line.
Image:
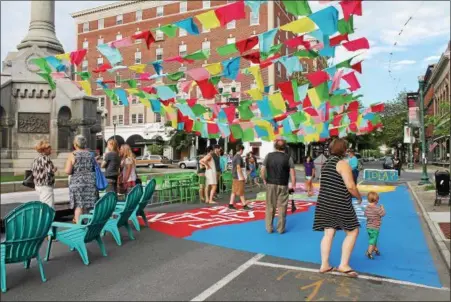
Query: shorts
x=308, y=177
x=238, y=187
x=202, y=180
x=373, y=234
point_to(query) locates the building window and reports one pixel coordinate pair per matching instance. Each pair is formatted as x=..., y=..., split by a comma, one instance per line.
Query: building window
x=84, y=65
x=157, y=118
x=118, y=36
x=99, y=41
x=205, y=4
x=182, y=68
x=160, y=11
x=114, y=119
x=121, y=119
x=159, y=35
x=304, y=67
x=119, y=19
x=100, y=79
x=101, y=101
x=278, y=22
x=85, y=27
x=255, y=18
x=183, y=6
x=139, y=15
x=182, y=50
x=182, y=32
x=99, y=61
x=231, y=40
x=206, y=45
x=159, y=53
x=279, y=69
x=85, y=44
x=231, y=24
x=138, y=57
x=100, y=24
x=137, y=41
x=118, y=80
x=140, y=118
x=133, y=118
x=134, y=100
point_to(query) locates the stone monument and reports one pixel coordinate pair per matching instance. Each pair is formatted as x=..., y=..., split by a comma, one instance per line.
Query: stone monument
x=30, y=110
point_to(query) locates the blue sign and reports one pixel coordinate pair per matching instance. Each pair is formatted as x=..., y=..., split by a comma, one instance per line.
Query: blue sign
x=380, y=175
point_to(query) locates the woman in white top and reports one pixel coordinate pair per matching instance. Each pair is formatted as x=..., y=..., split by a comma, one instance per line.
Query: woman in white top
x=210, y=174
x=128, y=166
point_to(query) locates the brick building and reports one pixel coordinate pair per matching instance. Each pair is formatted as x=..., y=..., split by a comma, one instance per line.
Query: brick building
x=122, y=19
x=437, y=103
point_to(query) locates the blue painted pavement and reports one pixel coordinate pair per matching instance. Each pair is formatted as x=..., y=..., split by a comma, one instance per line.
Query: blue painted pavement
x=405, y=254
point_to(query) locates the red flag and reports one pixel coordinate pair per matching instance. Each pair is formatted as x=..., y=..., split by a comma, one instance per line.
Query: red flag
x=317, y=77
x=353, y=115
x=146, y=36
x=337, y=120
x=286, y=88
x=246, y=44
x=280, y=117
x=377, y=107
x=109, y=82
x=338, y=39
x=102, y=68
x=212, y=128
x=230, y=113
x=297, y=41
x=311, y=111
x=228, y=13
x=306, y=103
x=351, y=79
x=254, y=57
x=189, y=125
x=76, y=57
x=357, y=67
x=191, y=102
x=207, y=88
x=269, y=61
x=351, y=8
x=353, y=127
x=333, y=132
x=354, y=45
x=354, y=105
x=149, y=89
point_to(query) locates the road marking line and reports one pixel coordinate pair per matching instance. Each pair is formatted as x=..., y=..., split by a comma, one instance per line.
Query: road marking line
x=224, y=281
x=373, y=278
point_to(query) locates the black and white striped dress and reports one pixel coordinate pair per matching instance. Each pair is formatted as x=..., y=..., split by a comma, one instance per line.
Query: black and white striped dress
x=334, y=206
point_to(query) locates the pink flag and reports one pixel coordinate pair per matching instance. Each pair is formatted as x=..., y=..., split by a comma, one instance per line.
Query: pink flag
x=317, y=77
x=231, y=12
x=125, y=42
x=336, y=80
x=198, y=74
x=76, y=57
x=144, y=76
x=58, y=75
x=351, y=79
x=351, y=7
x=354, y=45
x=185, y=86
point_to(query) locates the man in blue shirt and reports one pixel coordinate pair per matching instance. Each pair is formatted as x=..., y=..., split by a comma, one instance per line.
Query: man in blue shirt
x=354, y=163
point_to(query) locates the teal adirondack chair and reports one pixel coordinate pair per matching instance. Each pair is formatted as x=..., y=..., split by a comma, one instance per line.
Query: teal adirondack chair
x=122, y=215
x=77, y=235
x=139, y=211
x=25, y=229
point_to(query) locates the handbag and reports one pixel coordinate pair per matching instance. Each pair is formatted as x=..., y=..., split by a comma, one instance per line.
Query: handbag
x=28, y=179
x=101, y=181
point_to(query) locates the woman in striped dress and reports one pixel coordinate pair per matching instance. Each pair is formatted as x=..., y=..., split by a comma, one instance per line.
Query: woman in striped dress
x=334, y=210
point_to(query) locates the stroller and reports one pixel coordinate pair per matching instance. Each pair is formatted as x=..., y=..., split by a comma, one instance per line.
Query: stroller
x=442, y=187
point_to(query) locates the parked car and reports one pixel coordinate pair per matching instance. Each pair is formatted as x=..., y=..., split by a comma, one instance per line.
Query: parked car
x=152, y=161
x=188, y=163
x=388, y=163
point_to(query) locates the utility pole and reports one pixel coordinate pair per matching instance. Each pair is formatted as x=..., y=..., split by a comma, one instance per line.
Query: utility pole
x=424, y=176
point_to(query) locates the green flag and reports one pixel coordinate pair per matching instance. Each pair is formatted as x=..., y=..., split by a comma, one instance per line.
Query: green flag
x=298, y=7
x=48, y=78
x=274, y=49
x=298, y=118
x=323, y=91
x=244, y=110
x=339, y=99
x=197, y=126
x=84, y=75
x=198, y=55
x=173, y=87
x=303, y=53
x=176, y=76
x=110, y=93
x=346, y=27
x=42, y=64
x=215, y=80
x=198, y=109
x=236, y=131
x=248, y=135
x=131, y=83
x=170, y=30
x=226, y=49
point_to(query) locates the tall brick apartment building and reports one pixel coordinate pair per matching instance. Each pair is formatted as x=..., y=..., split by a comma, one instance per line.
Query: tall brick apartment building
x=137, y=123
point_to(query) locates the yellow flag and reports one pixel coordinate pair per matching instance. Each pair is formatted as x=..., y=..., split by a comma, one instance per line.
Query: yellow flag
x=255, y=94
x=214, y=69
x=138, y=68
x=208, y=20
x=145, y=102
x=63, y=56
x=277, y=101
x=86, y=86
x=132, y=90
x=303, y=25
x=255, y=71
x=314, y=98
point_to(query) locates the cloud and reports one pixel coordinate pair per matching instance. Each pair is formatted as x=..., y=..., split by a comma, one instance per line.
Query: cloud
x=404, y=62
x=432, y=58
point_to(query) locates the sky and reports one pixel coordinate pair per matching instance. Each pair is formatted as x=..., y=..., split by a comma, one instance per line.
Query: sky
x=421, y=43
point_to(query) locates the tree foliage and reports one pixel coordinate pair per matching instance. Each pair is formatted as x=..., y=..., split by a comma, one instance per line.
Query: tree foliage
x=180, y=140
x=155, y=149
x=440, y=124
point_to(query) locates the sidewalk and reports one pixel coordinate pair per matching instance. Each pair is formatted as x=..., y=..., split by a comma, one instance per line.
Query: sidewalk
x=437, y=217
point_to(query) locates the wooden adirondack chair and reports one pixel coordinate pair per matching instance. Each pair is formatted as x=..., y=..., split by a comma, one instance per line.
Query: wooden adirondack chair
x=77, y=235
x=25, y=229
x=122, y=215
x=139, y=211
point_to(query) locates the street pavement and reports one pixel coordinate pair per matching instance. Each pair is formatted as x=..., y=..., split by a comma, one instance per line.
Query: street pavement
x=156, y=266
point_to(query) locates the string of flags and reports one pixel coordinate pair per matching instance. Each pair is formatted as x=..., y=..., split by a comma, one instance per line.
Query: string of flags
x=321, y=106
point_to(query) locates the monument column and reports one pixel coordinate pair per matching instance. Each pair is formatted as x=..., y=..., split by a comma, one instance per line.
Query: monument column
x=42, y=28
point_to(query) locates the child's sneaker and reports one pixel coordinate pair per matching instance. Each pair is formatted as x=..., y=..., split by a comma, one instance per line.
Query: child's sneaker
x=370, y=256
x=377, y=252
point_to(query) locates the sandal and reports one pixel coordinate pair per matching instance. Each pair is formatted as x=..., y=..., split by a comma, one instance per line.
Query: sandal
x=370, y=256
x=329, y=270
x=377, y=252
x=349, y=273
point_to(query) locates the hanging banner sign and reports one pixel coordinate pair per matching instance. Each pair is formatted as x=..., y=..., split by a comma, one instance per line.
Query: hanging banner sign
x=414, y=110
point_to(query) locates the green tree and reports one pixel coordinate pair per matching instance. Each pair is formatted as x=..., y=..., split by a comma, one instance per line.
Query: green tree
x=440, y=124
x=155, y=149
x=181, y=140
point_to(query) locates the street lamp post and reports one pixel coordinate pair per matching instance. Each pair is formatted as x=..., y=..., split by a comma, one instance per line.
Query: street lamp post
x=103, y=132
x=424, y=176
x=114, y=127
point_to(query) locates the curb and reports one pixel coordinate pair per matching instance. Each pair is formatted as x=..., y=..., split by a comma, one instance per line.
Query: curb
x=434, y=231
